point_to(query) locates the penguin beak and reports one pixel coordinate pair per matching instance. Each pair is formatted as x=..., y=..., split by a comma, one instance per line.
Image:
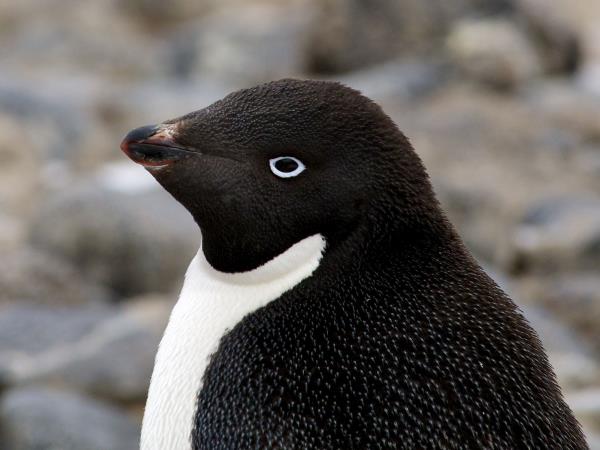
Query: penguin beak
x=153, y=146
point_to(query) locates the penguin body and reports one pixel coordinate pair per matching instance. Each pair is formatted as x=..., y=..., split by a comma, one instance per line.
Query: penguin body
x=361, y=321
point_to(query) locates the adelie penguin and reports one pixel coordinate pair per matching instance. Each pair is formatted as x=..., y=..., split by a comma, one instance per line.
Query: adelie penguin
x=331, y=304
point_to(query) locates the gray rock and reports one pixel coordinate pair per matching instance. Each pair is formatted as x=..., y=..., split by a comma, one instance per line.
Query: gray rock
x=559, y=233
x=33, y=277
x=567, y=27
x=473, y=212
x=52, y=125
x=158, y=100
x=399, y=80
x=47, y=327
x=35, y=418
x=494, y=52
x=593, y=438
x=576, y=299
x=567, y=105
x=13, y=232
x=127, y=234
x=60, y=120
x=163, y=13
x=72, y=37
x=20, y=173
x=571, y=358
x=586, y=405
x=246, y=44
x=556, y=39
x=352, y=34
x=106, y=352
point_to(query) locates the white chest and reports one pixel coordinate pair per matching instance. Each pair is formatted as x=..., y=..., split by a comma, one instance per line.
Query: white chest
x=210, y=304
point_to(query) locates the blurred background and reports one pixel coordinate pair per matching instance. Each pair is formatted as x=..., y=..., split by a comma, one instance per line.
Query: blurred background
x=501, y=99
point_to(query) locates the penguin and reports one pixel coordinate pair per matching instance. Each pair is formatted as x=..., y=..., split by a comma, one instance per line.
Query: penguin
x=331, y=304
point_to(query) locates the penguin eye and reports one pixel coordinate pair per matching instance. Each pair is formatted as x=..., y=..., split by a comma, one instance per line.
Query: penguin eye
x=286, y=166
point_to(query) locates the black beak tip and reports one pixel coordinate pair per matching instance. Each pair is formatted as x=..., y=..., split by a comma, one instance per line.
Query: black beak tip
x=139, y=134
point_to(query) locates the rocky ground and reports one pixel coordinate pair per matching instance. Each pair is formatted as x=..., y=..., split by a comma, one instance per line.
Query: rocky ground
x=501, y=98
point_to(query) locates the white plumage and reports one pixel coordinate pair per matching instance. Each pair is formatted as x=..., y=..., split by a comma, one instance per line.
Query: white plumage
x=210, y=304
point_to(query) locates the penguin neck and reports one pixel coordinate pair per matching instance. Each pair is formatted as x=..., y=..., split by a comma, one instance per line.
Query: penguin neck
x=382, y=238
x=210, y=304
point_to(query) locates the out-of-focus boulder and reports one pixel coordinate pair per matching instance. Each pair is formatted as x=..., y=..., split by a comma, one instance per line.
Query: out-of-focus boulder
x=76, y=36
x=107, y=352
x=570, y=29
x=47, y=328
x=576, y=299
x=33, y=277
x=559, y=234
x=35, y=418
x=20, y=171
x=494, y=52
x=557, y=40
x=586, y=406
x=398, y=80
x=162, y=13
x=247, y=43
x=157, y=101
x=567, y=105
x=13, y=232
x=571, y=359
x=491, y=159
x=351, y=34
x=120, y=230
x=56, y=124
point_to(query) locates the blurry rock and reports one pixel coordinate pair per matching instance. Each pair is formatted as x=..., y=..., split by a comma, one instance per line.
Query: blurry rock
x=576, y=299
x=589, y=78
x=481, y=150
x=33, y=277
x=156, y=101
x=13, y=232
x=557, y=40
x=159, y=12
x=46, y=328
x=592, y=437
x=109, y=353
x=246, y=44
x=121, y=230
x=399, y=80
x=352, y=34
x=587, y=161
x=585, y=405
x=475, y=214
x=35, y=418
x=20, y=171
x=51, y=124
x=561, y=21
x=494, y=52
x=567, y=105
x=559, y=233
x=569, y=357
x=78, y=36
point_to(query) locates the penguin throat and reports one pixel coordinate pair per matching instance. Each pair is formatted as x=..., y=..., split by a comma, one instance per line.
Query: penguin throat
x=281, y=266
x=210, y=304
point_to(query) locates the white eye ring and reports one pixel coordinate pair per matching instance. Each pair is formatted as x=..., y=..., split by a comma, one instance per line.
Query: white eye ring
x=297, y=171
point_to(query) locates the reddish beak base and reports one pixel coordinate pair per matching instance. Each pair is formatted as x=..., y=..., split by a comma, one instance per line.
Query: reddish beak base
x=152, y=146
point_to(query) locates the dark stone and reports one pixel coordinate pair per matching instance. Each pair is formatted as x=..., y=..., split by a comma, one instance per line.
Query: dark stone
x=35, y=418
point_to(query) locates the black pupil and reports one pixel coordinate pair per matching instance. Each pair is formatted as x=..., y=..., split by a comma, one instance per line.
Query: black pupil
x=286, y=165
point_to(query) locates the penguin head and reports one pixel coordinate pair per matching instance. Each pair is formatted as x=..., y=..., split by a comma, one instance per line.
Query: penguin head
x=266, y=167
